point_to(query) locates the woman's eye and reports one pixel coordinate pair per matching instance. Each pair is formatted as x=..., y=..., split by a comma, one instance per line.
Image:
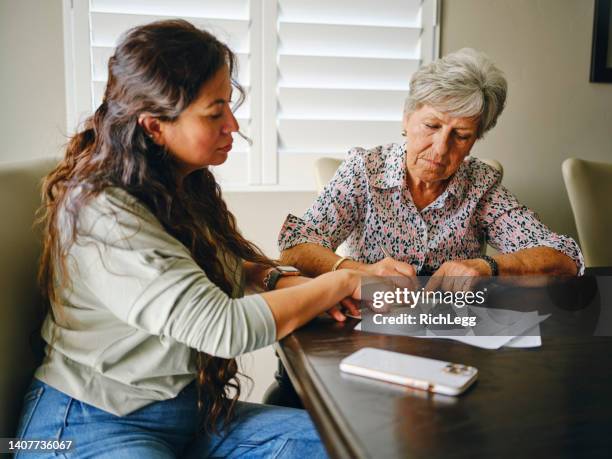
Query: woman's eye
x=430, y=126
x=463, y=137
x=216, y=116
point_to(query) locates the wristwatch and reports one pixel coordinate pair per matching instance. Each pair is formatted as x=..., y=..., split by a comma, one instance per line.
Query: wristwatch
x=276, y=273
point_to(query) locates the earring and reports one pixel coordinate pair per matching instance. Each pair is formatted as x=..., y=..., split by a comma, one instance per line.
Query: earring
x=403, y=132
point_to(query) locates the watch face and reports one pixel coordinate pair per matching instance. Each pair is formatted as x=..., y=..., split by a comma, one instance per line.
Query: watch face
x=288, y=269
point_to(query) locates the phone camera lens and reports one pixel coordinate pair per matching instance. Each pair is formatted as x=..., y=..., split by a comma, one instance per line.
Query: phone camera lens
x=457, y=369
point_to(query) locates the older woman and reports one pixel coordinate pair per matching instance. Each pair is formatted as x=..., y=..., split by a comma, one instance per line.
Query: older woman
x=425, y=207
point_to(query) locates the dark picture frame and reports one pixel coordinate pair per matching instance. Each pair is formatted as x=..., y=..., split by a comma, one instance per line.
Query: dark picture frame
x=601, y=56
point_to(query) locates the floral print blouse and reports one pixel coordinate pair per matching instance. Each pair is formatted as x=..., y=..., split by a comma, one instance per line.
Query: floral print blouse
x=368, y=205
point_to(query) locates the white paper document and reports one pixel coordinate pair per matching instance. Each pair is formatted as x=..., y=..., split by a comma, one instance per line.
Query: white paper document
x=501, y=327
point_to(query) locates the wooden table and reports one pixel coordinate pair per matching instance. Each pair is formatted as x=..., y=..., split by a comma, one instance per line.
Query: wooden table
x=552, y=401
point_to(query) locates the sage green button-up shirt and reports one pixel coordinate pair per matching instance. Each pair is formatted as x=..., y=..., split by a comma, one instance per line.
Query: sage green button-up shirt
x=124, y=331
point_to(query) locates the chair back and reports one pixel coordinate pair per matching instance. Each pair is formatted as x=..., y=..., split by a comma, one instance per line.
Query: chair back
x=325, y=168
x=21, y=308
x=495, y=164
x=589, y=187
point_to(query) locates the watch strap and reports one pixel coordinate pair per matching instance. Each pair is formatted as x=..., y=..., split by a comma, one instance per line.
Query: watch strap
x=275, y=274
x=271, y=279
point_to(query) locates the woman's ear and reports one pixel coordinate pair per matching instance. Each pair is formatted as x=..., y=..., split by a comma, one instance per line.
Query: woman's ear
x=151, y=127
x=405, y=120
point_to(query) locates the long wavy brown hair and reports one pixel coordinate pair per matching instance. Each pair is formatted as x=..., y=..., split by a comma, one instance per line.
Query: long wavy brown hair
x=158, y=69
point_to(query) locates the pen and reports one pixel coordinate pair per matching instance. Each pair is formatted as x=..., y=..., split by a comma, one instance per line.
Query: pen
x=385, y=251
x=387, y=254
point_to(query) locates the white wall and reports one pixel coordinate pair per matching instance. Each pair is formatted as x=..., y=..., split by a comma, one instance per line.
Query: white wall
x=33, y=114
x=553, y=112
x=260, y=216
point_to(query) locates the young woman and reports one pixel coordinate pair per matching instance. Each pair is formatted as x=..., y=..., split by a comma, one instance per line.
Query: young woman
x=144, y=269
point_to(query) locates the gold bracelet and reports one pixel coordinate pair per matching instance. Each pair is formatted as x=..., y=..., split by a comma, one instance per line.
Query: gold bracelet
x=339, y=262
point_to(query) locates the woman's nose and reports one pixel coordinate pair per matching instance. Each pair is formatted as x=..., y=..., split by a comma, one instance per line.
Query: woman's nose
x=231, y=124
x=442, y=142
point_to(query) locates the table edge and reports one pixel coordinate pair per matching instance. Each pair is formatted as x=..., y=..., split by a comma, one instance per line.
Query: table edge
x=337, y=436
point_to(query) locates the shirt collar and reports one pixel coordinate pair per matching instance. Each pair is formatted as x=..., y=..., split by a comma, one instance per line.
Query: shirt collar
x=389, y=171
x=389, y=168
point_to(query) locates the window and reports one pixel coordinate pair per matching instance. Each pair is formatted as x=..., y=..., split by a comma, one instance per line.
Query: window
x=322, y=76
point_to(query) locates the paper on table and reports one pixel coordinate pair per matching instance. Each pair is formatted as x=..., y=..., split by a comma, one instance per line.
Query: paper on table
x=531, y=338
x=520, y=325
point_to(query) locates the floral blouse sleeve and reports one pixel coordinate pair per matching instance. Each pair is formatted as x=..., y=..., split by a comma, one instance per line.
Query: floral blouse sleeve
x=510, y=226
x=334, y=214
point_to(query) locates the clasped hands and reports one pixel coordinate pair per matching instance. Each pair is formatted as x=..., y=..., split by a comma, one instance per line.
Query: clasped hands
x=456, y=275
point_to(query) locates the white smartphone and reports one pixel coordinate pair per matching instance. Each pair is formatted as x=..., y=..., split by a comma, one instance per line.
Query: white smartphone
x=421, y=373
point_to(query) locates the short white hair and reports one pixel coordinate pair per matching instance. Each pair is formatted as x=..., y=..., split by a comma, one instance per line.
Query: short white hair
x=465, y=83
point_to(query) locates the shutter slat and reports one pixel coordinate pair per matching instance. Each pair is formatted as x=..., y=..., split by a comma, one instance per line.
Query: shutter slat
x=317, y=136
x=366, y=12
x=342, y=104
x=108, y=27
x=347, y=73
x=101, y=54
x=349, y=41
x=226, y=9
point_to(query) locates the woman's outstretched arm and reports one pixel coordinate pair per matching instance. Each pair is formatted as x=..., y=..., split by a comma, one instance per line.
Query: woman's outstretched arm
x=126, y=262
x=292, y=307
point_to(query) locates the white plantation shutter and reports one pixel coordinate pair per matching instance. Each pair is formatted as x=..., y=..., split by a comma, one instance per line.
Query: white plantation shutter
x=322, y=76
x=229, y=20
x=344, y=68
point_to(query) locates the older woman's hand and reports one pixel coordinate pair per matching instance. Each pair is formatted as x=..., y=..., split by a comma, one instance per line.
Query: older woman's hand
x=390, y=267
x=459, y=275
x=404, y=273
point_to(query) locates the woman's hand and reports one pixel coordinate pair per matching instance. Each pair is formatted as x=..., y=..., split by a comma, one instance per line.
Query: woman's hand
x=403, y=274
x=390, y=267
x=459, y=275
x=293, y=307
x=348, y=304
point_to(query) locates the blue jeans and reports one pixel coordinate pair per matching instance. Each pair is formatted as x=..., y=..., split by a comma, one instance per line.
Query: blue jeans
x=165, y=429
